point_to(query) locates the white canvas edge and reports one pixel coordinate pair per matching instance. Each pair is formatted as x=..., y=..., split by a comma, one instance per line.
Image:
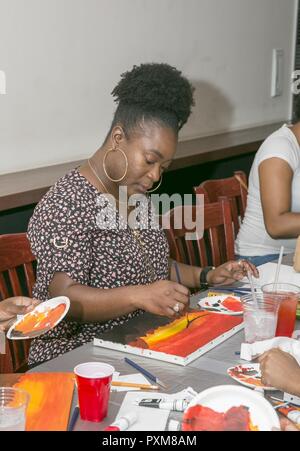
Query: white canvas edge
x=183, y=361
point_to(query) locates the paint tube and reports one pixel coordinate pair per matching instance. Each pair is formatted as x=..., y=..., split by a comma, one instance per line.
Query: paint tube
x=291, y=412
x=174, y=425
x=178, y=405
x=123, y=422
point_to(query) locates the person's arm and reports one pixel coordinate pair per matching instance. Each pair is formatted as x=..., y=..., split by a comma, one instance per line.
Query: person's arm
x=227, y=273
x=275, y=178
x=90, y=304
x=287, y=425
x=280, y=370
x=189, y=275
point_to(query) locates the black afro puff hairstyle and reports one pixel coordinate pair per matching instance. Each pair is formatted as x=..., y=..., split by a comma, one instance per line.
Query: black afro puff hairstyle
x=154, y=92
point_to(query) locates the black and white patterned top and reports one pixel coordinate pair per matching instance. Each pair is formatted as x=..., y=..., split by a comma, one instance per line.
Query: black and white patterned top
x=65, y=237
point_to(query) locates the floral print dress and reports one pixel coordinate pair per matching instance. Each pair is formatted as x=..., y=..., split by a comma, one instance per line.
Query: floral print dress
x=65, y=237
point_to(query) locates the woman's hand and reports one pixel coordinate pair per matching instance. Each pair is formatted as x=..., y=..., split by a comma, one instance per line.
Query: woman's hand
x=280, y=370
x=231, y=272
x=11, y=307
x=287, y=425
x=163, y=298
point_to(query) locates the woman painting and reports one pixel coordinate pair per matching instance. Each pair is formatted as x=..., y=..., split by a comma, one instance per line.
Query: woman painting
x=112, y=274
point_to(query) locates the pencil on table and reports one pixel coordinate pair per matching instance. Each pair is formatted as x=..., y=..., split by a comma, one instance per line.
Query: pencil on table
x=134, y=385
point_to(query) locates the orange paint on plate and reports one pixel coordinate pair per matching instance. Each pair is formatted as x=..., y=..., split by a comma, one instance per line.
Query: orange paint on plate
x=201, y=418
x=37, y=321
x=244, y=378
x=232, y=304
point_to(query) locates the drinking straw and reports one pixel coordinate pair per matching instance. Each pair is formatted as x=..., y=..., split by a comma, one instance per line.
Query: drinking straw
x=252, y=287
x=278, y=268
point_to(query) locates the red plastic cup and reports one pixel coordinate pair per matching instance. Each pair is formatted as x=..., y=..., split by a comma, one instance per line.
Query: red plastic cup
x=93, y=384
x=287, y=295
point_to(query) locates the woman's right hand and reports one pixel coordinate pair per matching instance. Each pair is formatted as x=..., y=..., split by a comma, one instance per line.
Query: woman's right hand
x=164, y=298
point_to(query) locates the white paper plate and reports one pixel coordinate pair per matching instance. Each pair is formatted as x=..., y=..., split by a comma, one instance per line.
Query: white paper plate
x=47, y=306
x=248, y=375
x=223, y=397
x=215, y=304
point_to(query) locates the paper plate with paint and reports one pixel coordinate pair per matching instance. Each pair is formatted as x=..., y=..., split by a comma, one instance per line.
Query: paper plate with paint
x=229, y=408
x=227, y=305
x=248, y=375
x=44, y=317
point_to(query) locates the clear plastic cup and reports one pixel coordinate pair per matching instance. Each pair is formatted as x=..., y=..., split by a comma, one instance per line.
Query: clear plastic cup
x=260, y=317
x=287, y=296
x=93, y=384
x=13, y=405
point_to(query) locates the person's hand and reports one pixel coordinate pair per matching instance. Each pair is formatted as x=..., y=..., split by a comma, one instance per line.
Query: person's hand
x=287, y=425
x=11, y=307
x=231, y=272
x=280, y=370
x=163, y=298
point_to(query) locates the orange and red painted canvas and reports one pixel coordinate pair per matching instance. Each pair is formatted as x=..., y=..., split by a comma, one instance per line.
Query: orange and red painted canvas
x=186, y=334
x=50, y=400
x=180, y=341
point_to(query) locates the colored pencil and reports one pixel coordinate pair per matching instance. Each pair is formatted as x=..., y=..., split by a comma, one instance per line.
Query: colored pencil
x=134, y=385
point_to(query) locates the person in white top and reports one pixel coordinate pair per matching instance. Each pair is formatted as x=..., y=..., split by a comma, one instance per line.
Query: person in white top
x=272, y=217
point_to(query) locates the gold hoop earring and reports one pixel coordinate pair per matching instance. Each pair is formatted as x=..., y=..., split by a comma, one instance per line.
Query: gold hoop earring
x=152, y=190
x=104, y=163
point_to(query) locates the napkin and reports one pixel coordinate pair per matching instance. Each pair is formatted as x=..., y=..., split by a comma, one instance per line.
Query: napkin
x=250, y=351
x=267, y=273
x=151, y=419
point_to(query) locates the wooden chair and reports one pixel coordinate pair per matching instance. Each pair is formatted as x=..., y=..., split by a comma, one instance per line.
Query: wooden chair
x=17, y=278
x=235, y=188
x=215, y=247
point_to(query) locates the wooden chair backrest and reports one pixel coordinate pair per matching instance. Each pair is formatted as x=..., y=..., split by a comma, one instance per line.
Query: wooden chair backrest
x=17, y=277
x=235, y=188
x=215, y=247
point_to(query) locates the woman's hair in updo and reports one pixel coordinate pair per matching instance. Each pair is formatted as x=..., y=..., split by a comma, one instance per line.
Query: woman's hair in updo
x=154, y=92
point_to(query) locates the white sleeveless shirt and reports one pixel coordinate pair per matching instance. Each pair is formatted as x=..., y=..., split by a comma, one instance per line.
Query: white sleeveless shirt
x=253, y=238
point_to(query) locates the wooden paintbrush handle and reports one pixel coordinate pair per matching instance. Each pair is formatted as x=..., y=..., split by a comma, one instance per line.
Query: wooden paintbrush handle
x=133, y=385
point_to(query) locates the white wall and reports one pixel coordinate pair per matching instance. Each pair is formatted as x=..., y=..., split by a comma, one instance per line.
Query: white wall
x=62, y=59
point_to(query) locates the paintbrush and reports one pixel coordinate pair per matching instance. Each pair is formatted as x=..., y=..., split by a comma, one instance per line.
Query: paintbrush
x=74, y=418
x=232, y=288
x=232, y=292
x=144, y=372
x=179, y=281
